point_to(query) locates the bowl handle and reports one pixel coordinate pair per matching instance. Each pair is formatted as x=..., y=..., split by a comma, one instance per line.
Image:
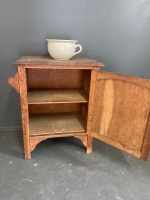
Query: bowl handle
x=80, y=49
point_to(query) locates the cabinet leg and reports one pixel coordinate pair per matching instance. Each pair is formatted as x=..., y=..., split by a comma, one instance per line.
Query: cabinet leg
x=27, y=156
x=27, y=151
x=89, y=144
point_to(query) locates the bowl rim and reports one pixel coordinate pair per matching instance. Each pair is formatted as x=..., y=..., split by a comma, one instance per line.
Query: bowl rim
x=59, y=40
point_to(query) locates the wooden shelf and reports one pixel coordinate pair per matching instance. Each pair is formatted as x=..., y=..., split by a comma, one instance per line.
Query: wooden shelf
x=38, y=96
x=57, y=123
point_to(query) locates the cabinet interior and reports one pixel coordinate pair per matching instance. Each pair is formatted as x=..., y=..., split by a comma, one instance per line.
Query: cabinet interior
x=57, y=100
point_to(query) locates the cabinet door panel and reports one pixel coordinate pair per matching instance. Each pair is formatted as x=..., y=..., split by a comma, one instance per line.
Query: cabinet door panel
x=121, y=112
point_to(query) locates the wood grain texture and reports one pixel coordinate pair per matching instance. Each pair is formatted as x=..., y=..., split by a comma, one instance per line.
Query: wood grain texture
x=90, y=109
x=47, y=61
x=121, y=110
x=54, y=108
x=56, y=123
x=54, y=78
x=130, y=79
x=86, y=80
x=24, y=111
x=56, y=96
x=84, y=110
x=146, y=142
x=38, y=74
x=72, y=98
x=89, y=144
x=14, y=82
x=35, y=140
x=116, y=144
x=83, y=139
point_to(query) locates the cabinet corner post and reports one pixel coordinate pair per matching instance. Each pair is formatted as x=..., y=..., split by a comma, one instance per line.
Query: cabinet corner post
x=89, y=144
x=24, y=110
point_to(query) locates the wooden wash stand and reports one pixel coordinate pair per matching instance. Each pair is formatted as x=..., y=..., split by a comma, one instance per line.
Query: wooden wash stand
x=74, y=98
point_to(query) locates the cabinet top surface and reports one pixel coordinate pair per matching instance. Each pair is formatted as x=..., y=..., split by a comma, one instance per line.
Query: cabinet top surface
x=48, y=61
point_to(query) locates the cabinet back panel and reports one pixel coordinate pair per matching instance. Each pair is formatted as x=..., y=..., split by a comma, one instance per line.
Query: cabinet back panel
x=53, y=78
x=54, y=108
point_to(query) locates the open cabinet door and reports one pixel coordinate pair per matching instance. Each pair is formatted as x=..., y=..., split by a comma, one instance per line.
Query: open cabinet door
x=121, y=112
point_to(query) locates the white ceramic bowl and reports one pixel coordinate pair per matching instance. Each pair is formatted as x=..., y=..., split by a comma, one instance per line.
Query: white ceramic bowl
x=63, y=49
